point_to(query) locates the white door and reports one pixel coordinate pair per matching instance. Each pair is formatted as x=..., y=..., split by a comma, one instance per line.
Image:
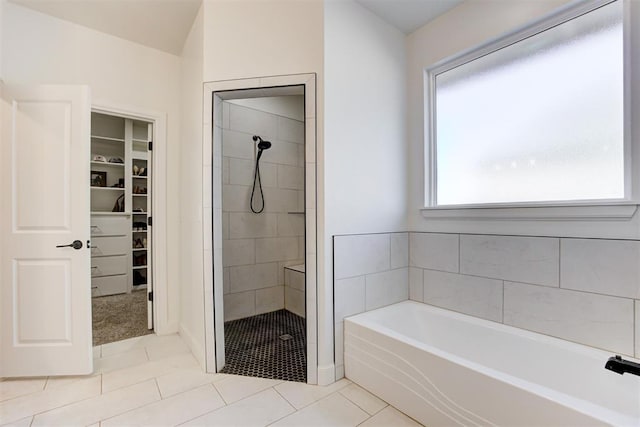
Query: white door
x=45, y=290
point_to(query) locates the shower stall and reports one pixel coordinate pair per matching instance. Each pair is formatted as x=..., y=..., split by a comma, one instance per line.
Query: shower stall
x=263, y=236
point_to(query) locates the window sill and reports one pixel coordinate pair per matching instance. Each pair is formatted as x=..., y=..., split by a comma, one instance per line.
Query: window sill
x=597, y=212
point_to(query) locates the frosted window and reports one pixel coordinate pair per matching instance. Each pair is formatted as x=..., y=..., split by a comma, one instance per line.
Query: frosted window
x=538, y=120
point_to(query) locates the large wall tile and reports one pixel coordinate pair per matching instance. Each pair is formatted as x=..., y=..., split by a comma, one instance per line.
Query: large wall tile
x=386, y=288
x=279, y=235
x=597, y=320
x=277, y=249
x=254, y=276
x=235, y=198
x=242, y=172
x=253, y=121
x=237, y=145
x=249, y=225
x=225, y=170
x=610, y=267
x=294, y=301
x=294, y=279
x=238, y=252
x=471, y=295
x=361, y=254
x=518, y=259
x=290, y=225
x=291, y=177
x=349, y=297
x=416, y=291
x=239, y=305
x=290, y=130
x=434, y=251
x=269, y=299
x=225, y=225
x=399, y=250
x=283, y=153
x=280, y=200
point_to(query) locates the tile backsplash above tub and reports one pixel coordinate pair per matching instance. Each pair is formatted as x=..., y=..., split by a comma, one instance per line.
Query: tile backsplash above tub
x=581, y=290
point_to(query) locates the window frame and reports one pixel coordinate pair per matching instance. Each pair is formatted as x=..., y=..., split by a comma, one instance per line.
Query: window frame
x=618, y=209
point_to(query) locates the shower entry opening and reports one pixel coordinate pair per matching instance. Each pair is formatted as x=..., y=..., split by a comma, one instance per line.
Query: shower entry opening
x=263, y=195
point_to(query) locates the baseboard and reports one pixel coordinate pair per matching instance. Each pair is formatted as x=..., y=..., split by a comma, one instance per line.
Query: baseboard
x=196, y=348
x=326, y=374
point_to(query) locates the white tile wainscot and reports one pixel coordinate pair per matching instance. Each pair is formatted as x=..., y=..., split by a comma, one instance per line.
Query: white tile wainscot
x=370, y=271
x=597, y=320
x=610, y=267
x=476, y=296
x=581, y=290
x=520, y=259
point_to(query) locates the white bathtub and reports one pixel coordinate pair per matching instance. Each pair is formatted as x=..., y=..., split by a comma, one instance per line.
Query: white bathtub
x=443, y=368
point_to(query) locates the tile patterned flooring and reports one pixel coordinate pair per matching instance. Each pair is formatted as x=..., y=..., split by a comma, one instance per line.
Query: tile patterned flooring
x=253, y=347
x=155, y=381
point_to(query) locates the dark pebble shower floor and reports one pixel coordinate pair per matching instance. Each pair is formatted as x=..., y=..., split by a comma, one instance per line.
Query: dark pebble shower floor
x=254, y=347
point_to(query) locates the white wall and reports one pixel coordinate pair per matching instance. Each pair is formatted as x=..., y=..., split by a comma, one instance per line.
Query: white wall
x=287, y=106
x=365, y=143
x=39, y=49
x=191, y=159
x=256, y=38
x=476, y=23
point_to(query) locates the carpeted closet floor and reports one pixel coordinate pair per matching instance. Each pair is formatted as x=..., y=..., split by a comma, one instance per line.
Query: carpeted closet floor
x=118, y=317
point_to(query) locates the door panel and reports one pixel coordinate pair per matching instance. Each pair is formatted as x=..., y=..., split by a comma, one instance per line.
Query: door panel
x=42, y=287
x=45, y=290
x=41, y=147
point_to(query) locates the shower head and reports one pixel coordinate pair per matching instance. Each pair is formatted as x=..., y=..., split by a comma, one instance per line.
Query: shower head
x=262, y=144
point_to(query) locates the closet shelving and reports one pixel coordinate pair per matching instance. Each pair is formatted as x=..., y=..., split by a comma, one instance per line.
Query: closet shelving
x=120, y=204
x=140, y=199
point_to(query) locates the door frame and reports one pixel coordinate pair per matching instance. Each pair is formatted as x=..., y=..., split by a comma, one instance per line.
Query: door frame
x=212, y=212
x=159, y=255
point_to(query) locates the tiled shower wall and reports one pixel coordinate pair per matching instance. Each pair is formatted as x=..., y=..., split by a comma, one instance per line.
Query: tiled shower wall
x=581, y=290
x=256, y=247
x=370, y=271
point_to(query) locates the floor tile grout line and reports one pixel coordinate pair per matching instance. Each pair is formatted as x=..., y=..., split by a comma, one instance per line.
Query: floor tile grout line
x=155, y=380
x=2, y=402
x=324, y=397
x=205, y=413
x=252, y=394
x=130, y=410
x=355, y=403
x=284, y=397
x=285, y=416
x=33, y=415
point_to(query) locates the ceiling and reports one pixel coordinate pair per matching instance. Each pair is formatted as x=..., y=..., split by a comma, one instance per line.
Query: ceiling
x=160, y=24
x=165, y=24
x=409, y=15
